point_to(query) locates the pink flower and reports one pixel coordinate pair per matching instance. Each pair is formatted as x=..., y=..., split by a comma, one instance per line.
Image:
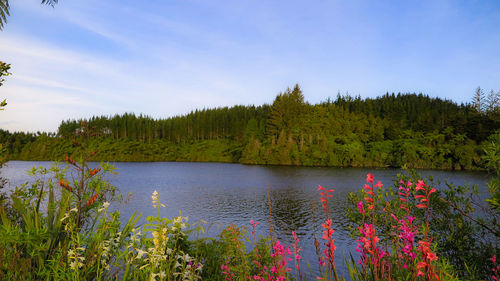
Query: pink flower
x=394, y=217
x=254, y=224
x=431, y=256
x=360, y=207
x=369, y=178
x=410, y=219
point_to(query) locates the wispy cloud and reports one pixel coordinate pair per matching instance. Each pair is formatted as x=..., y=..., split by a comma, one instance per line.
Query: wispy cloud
x=165, y=58
x=33, y=52
x=37, y=82
x=64, y=84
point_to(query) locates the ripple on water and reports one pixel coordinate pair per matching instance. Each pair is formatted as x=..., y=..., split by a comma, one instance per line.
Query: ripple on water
x=232, y=193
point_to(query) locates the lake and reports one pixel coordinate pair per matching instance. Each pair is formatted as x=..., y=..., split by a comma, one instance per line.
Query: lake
x=222, y=193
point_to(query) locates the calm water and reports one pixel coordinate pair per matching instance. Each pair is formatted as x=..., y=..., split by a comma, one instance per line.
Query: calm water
x=232, y=193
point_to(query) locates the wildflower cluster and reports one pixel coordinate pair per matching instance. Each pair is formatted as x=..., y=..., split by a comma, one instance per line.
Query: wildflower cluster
x=64, y=230
x=296, y=253
x=161, y=255
x=407, y=256
x=496, y=268
x=328, y=257
x=76, y=258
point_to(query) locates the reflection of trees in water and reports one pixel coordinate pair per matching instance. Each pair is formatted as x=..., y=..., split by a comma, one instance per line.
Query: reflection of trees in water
x=292, y=210
x=289, y=210
x=293, y=191
x=338, y=205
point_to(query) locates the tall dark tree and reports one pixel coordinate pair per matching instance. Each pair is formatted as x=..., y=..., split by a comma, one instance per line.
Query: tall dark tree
x=286, y=112
x=478, y=100
x=492, y=101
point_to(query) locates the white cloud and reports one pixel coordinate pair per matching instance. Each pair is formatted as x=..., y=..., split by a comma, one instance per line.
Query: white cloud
x=47, y=83
x=52, y=84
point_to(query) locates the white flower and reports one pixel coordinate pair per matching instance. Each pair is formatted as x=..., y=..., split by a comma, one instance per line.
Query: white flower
x=156, y=200
x=178, y=219
x=140, y=253
x=73, y=265
x=76, y=261
x=105, y=205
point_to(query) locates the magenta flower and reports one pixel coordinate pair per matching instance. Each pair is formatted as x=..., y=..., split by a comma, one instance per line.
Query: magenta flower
x=361, y=208
x=369, y=178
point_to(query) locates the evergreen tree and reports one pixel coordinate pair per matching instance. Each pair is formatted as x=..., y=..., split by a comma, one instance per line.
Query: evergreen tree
x=478, y=100
x=286, y=112
x=390, y=130
x=492, y=102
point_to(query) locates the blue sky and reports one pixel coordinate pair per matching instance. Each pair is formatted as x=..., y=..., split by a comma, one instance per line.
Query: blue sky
x=164, y=58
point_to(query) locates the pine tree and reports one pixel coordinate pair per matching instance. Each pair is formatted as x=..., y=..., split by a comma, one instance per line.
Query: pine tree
x=286, y=111
x=478, y=100
x=492, y=102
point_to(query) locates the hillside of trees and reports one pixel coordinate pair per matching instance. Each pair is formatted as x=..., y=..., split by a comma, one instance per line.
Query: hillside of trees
x=388, y=131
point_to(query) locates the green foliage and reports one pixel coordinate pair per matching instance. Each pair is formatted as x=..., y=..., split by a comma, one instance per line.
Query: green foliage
x=465, y=231
x=494, y=200
x=390, y=131
x=53, y=217
x=4, y=67
x=62, y=230
x=4, y=71
x=492, y=153
x=4, y=13
x=286, y=113
x=492, y=159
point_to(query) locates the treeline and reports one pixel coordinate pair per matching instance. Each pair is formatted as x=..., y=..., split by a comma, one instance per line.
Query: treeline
x=219, y=123
x=388, y=131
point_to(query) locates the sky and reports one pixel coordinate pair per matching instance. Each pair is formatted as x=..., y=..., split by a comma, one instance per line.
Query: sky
x=167, y=57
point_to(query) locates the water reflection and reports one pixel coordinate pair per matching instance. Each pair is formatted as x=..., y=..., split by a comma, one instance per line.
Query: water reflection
x=231, y=193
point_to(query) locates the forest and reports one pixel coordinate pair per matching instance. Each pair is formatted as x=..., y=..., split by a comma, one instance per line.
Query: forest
x=392, y=130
